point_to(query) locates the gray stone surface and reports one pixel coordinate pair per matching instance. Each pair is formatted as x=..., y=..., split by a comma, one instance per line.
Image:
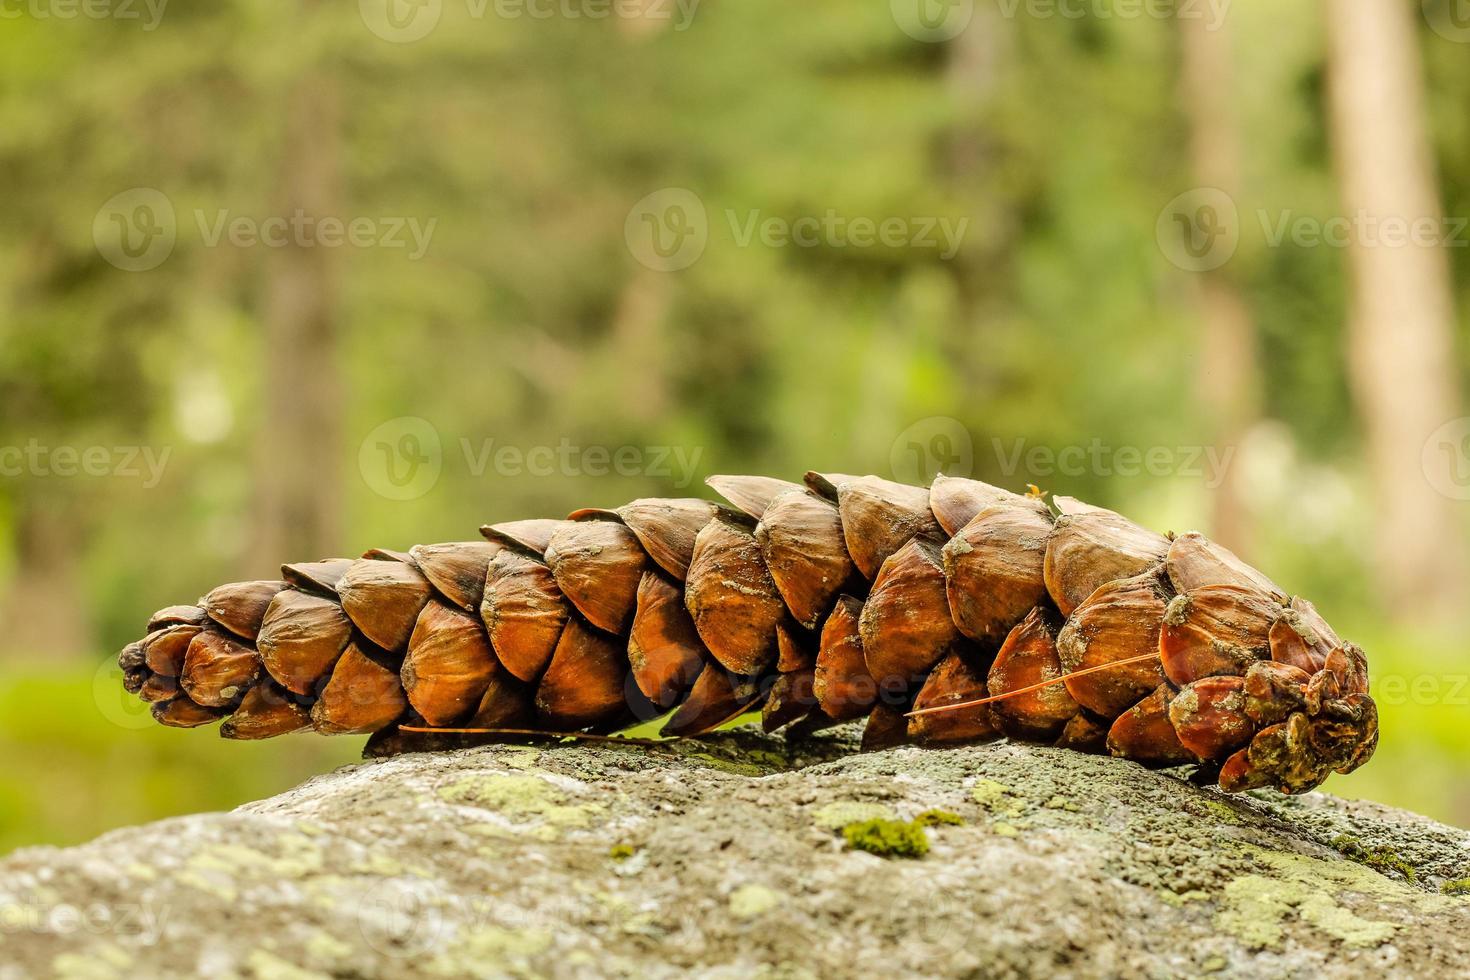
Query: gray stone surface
x=726, y=860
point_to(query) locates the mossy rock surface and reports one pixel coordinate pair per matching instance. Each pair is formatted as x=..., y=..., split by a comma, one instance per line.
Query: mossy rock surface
x=729, y=859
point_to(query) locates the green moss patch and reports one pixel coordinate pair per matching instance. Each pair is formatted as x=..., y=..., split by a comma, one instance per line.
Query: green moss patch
x=935, y=818
x=887, y=838
x=1380, y=859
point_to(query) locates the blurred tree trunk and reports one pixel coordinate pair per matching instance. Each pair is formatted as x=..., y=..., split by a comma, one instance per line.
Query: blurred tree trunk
x=1401, y=311
x=1230, y=374
x=298, y=483
x=45, y=612
x=974, y=69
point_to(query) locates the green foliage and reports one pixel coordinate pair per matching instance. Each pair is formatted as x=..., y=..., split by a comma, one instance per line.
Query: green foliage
x=1460, y=887
x=528, y=321
x=936, y=818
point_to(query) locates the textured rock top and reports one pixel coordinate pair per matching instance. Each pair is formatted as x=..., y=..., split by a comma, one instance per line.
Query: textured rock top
x=734, y=859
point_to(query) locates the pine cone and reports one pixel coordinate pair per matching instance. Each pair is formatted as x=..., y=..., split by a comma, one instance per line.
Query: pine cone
x=847, y=598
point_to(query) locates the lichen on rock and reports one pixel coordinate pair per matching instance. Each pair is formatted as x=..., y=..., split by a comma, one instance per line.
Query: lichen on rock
x=731, y=857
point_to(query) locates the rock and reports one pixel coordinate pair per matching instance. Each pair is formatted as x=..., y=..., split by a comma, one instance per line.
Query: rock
x=730, y=859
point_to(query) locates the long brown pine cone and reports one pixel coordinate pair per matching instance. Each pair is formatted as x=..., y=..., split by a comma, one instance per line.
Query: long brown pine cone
x=846, y=598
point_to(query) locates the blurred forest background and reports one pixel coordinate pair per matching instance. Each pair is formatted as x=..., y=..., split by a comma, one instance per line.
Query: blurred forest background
x=1134, y=188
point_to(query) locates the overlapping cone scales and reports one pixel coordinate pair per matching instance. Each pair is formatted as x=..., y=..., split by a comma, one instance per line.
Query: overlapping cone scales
x=664, y=649
x=878, y=517
x=218, y=669
x=240, y=607
x=449, y=663
x=667, y=528
x=1216, y=630
x=321, y=577
x=842, y=685
x=267, y=710
x=1028, y=662
x=955, y=501
x=1121, y=620
x=800, y=538
x=1089, y=549
x=906, y=625
x=959, y=678
x=1145, y=734
x=993, y=568
x=383, y=598
x=525, y=612
x=301, y=637
x=732, y=598
x=584, y=684
x=598, y=565
x=958, y=612
x=456, y=570
x=363, y=695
